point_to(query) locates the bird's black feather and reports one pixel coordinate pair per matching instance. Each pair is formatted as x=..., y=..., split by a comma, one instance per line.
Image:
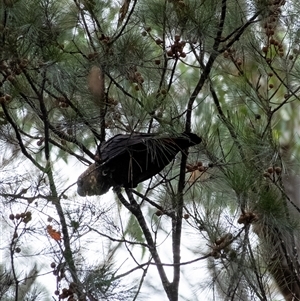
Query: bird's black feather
x=127, y=160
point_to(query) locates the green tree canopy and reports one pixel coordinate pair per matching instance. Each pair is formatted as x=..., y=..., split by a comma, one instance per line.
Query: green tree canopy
x=220, y=221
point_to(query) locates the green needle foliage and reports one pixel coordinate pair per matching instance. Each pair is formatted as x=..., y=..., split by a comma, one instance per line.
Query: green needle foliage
x=220, y=222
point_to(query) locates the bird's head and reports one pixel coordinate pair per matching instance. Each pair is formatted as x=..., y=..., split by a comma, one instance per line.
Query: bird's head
x=94, y=181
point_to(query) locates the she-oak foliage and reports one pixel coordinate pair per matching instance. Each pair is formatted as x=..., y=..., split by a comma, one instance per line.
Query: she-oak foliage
x=221, y=223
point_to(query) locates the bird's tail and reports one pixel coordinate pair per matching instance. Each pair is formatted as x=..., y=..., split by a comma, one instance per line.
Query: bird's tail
x=193, y=138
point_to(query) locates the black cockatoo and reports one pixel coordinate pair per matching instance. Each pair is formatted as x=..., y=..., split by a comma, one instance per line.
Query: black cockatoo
x=127, y=160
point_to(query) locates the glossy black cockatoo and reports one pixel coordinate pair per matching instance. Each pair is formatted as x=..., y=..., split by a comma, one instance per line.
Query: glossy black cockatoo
x=127, y=160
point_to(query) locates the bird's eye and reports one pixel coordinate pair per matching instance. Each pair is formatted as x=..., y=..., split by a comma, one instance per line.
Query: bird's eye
x=79, y=182
x=104, y=172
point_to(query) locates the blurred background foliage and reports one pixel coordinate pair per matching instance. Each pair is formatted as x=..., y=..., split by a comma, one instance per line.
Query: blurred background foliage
x=75, y=73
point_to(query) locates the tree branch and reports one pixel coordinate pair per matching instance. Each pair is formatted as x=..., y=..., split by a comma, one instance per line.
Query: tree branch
x=135, y=209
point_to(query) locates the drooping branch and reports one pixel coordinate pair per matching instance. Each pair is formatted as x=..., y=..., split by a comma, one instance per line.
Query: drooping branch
x=19, y=138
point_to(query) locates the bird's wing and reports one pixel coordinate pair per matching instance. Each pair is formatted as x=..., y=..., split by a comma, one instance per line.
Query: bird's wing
x=120, y=144
x=151, y=144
